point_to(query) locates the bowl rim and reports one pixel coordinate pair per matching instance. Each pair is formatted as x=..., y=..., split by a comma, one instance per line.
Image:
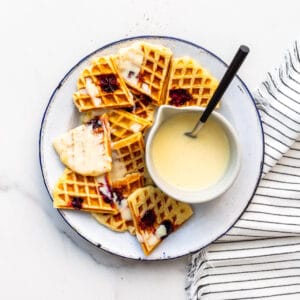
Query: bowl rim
x=194, y=196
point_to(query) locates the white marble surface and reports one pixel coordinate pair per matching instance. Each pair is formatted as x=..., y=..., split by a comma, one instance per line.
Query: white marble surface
x=40, y=41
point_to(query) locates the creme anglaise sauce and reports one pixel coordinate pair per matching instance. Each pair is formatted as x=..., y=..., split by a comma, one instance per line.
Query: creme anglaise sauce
x=189, y=163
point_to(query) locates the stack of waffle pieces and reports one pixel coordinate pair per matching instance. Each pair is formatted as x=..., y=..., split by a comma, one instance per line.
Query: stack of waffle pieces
x=105, y=174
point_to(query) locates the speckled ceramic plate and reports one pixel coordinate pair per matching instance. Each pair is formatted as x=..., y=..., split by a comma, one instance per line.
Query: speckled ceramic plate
x=210, y=220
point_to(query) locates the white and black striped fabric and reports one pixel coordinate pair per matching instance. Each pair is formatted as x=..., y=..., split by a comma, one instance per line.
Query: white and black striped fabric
x=259, y=258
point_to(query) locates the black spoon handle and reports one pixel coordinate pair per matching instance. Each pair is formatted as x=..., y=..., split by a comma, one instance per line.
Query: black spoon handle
x=226, y=80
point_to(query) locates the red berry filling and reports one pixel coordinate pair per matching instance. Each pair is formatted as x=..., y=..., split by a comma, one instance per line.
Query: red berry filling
x=77, y=202
x=148, y=219
x=118, y=195
x=106, y=192
x=96, y=123
x=179, y=97
x=110, y=195
x=146, y=100
x=108, y=82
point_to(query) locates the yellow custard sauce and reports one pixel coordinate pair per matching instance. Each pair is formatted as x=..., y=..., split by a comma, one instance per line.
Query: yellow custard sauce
x=189, y=163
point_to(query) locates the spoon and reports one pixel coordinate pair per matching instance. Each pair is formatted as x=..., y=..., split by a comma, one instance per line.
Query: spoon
x=223, y=85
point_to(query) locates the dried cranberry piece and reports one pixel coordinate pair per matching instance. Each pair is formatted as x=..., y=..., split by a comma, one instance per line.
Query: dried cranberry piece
x=130, y=74
x=95, y=122
x=118, y=195
x=108, y=82
x=106, y=192
x=179, y=96
x=106, y=195
x=130, y=109
x=146, y=100
x=110, y=195
x=77, y=202
x=169, y=227
x=148, y=219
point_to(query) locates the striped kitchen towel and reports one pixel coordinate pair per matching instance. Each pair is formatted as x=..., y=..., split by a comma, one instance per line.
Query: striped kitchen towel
x=259, y=258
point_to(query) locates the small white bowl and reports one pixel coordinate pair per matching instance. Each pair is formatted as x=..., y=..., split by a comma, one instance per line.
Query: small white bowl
x=202, y=195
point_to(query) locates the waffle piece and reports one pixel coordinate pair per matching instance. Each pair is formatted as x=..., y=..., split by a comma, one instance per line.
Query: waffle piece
x=155, y=216
x=113, y=222
x=86, y=149
x=189, y=83
x=144, y=67
x=142, y=107
x=128, y=184
x=124, y=124
x=86, y=193
x=128, y=156
x=122, y=188
x=100, y=86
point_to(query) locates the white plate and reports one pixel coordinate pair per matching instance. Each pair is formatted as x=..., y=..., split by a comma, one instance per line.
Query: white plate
x=210, y=220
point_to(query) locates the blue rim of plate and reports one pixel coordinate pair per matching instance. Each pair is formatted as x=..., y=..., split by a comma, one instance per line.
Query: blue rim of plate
x=132, y=39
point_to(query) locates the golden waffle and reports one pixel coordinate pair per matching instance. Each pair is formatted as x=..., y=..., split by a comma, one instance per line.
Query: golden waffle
x=143, y=106
x=155, y=215
x=120, y=222
x=144, y=67
x=74, y=191
x=128, y=156
x=128, y=184
x=124, y=124
x=100, y=86
x=86, y=149
x=189, y=83
x=113, y=222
